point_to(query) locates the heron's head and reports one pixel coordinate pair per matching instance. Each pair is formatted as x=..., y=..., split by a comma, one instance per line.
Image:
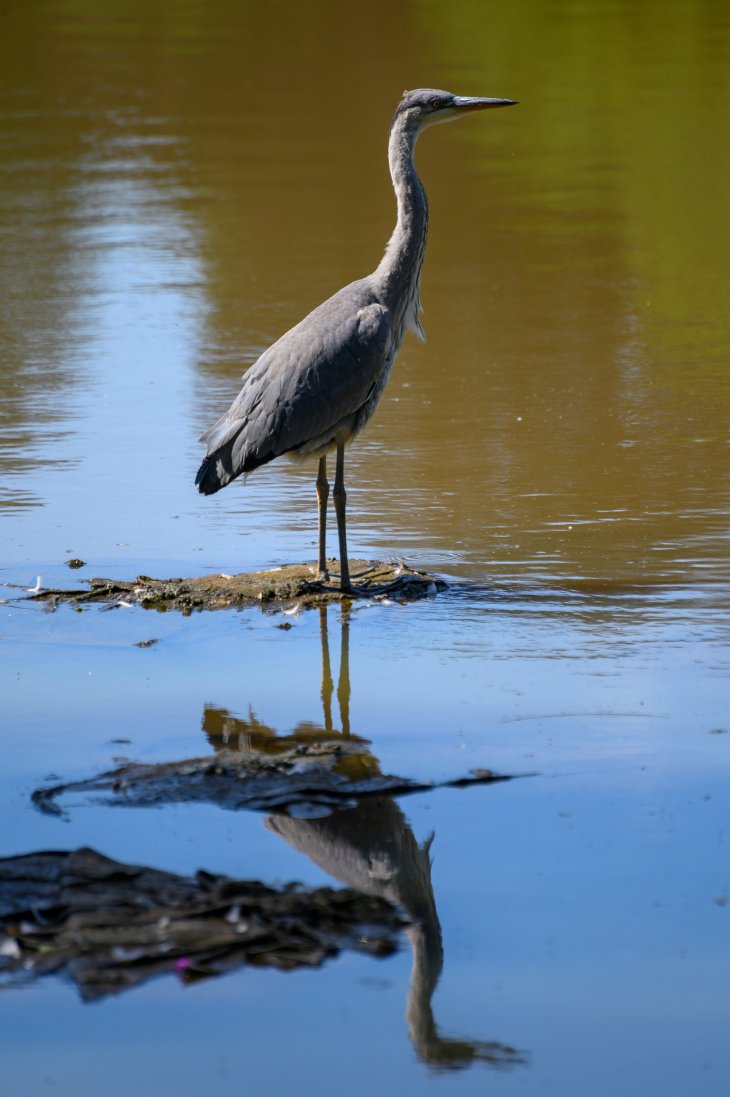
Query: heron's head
x=428, y=106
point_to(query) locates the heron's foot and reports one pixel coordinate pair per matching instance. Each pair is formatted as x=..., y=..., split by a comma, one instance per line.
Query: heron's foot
x=346, y=586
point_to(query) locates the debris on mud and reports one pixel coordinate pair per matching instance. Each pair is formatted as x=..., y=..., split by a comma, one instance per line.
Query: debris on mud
x=110, y=926
x=266, y=588
x=309, y=780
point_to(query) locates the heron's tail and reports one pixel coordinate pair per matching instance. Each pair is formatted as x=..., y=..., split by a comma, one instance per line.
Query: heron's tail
x=212, y=474
x=225, y=464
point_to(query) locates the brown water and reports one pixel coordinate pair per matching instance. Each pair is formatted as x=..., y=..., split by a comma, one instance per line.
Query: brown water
x=181, y=182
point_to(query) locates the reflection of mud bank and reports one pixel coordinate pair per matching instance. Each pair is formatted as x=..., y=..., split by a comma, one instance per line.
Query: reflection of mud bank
x=307, y=781
x=222, y=591
x=111, y=926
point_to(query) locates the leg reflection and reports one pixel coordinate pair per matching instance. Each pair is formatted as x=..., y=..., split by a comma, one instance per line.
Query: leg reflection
x=343, y=682
x=225, y=731
x=327, y=686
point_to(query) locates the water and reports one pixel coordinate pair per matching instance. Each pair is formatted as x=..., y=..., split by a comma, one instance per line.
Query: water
x=181, y=183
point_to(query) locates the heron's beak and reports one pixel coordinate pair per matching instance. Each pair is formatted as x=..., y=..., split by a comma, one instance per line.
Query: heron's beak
x=473, y=102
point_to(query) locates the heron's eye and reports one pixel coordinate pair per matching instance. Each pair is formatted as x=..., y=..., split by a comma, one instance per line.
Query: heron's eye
x=436, y=103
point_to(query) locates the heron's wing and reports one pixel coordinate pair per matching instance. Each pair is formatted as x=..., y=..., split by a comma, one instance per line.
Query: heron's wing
x=317, y=395
x=306, y=384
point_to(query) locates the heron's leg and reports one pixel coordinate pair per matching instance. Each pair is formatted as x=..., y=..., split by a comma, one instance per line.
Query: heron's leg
x=340, y=497
x=323, y=491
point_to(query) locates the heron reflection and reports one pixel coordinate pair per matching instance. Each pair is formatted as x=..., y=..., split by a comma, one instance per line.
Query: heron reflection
x=370, y=847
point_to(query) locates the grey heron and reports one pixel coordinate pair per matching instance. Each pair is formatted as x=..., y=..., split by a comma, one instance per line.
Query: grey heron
x=317, y=386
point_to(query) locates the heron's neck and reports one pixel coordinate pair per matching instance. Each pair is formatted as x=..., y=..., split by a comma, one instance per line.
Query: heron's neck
x=399, y=271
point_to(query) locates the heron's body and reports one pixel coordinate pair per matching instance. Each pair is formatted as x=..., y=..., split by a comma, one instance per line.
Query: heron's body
x=318, y=385
x=337, y=389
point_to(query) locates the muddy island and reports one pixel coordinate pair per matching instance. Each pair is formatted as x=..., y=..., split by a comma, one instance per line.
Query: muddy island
x=291, y=583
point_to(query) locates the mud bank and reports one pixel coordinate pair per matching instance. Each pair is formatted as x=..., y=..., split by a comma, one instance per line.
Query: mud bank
x=291, y=583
